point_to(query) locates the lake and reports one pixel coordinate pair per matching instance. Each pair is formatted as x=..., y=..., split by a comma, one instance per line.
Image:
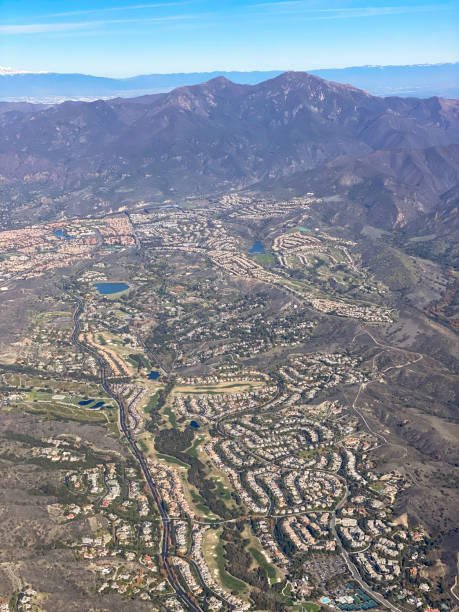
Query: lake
x=153, y=375
x=257, y=247
x=194, y=424
x=110, y=288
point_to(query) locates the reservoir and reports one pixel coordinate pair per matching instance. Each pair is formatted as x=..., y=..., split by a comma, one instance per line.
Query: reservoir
x=194, y=424
x=110, y=288
x=257, y=247
x=61, y=234
x=153, y=375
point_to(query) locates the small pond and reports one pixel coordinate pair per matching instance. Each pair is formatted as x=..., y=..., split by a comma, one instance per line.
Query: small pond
x=257, y=247
x=62, y=234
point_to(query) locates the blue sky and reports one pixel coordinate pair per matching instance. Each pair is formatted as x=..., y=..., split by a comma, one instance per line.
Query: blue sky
x=124, y=38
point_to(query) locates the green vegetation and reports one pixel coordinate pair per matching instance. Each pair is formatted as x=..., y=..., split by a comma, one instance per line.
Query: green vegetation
x=143, y=446
x=173, y=460
x=193, y=449
x=391, y=266
x=138, y=360
x=239, y=561
x=169, y=413
x=221, y=491
x=262, y=562
x=174, y=442
x=200, y=504
x=24, y=438
x=229, y=581
x=310, y=606
x=13, y=603
x=154, y=407
x=69, y=413
x=153, y=403
x=264, y=259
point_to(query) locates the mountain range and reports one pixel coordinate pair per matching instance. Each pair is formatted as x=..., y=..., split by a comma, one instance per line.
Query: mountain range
x=393, y=161
x=48, y=87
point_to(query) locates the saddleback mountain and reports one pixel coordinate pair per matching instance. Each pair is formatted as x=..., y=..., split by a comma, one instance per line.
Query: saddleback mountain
x=74, y=157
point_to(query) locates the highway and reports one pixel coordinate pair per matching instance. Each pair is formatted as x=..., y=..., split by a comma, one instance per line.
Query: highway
x=185, y=597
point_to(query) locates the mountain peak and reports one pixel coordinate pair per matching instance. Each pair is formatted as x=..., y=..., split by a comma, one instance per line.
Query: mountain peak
x=305, y=80
x=220, y=81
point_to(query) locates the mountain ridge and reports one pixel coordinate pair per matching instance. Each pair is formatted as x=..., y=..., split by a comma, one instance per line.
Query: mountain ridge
x=208, y=138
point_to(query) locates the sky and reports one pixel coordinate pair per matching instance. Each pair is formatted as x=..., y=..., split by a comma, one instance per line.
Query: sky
x=121, y=38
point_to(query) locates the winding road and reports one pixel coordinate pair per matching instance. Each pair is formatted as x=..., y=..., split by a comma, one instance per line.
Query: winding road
x=185, y=597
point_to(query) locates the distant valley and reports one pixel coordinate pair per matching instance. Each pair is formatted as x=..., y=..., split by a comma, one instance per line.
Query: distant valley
x=228, y=350
x=420, y=80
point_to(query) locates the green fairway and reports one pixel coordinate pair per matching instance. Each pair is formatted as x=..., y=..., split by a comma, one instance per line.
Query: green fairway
x=172, y=460
x=230, y=582
x=262, y=562
x=172, y=420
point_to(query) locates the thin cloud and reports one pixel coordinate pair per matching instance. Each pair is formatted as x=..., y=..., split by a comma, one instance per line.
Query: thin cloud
x=43, y=28
x=294, y=7
x=134, y=7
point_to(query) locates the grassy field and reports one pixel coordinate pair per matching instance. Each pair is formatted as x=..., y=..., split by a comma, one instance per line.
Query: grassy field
x=167, y=410
x=172, y=460
x=70, y=413
x=152, y=403
x=138, y=358
x=55, y=313
x=378, y=485
x=264, y=259
x=223, y=387
x=64, y=398
x=310, y=606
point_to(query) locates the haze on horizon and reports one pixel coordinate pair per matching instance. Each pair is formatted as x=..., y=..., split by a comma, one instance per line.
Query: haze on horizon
x=122, y=38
